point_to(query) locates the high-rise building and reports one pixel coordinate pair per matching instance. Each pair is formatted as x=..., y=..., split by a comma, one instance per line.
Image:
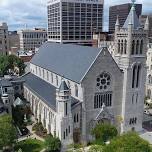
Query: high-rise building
x=30, y=39
x=122, y=11
x=4, y=42
x=142, y=19
x=74, y=21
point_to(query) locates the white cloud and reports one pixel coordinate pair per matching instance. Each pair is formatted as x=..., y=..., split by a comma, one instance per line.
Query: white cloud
x=17, y=13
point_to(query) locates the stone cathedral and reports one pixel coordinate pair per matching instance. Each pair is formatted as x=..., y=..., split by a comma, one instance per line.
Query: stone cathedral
x=71, y=88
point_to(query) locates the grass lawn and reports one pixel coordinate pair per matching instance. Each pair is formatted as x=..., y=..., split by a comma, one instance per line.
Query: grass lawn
x=30, y=145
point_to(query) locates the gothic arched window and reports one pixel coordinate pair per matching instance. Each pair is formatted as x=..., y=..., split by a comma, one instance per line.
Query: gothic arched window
x=134, y=76
x=76, y=90
x=138, y=76
x=47, y=76
x=43, y=73
x=57, y=81
x=141, y=47
x=133, y=47
x=52, y=77
x=121, y=46
x=137, y=46
x=125, y=47
x=118, y=46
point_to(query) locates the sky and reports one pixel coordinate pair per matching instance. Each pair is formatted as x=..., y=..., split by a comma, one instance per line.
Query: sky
x=33, y=13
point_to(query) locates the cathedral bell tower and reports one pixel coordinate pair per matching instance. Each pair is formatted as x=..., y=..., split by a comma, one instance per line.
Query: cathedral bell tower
x=64, y=128
x=130, y=55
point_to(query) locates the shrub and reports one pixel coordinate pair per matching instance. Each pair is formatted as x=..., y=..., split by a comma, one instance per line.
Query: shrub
x=129, y=142
x=104, y=132
x=52, y=144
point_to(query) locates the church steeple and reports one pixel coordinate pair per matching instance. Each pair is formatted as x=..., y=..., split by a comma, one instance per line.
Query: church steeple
x=64, y=114
x=117, y=25
x=146, y=27
x=130, y=55
x=132, y=19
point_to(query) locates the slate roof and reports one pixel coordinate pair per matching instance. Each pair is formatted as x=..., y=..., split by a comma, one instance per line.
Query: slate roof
x=45, y=91
x=70, y=61
x=63, y=86
x=5, y=83
x=132, y=19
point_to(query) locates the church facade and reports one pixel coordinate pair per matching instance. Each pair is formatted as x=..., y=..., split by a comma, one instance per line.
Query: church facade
x=71, y=88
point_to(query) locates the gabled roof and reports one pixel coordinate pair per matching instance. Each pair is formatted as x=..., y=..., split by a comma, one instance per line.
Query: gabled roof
x=132, y=19
x=70, y=61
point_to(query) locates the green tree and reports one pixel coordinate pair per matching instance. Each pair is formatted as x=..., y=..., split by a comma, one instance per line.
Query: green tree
x=8, y=134
x=129, y=142
x=10, y=62
x=104, y=132
x=52, y=144
x=4, y=64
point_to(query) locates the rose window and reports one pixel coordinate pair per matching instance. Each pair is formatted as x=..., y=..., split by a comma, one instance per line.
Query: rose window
x=103, y=81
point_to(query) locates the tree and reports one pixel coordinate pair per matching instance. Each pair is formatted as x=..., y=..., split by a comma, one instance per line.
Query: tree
x=52, y=144
x=129, y=142
x=104, y=132
x=8, y=133
x=18, y=114
x=4, y=64
x=9, y=63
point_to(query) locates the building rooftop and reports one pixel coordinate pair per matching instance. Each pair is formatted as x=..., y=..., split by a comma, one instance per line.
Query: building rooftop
x=43, y=90
x=34, y=30
x=5, y=83
x=70, y=61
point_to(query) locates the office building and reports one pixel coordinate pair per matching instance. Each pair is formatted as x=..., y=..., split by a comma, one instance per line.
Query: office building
x=74, y=21
x=122, y=11
x=30, y=39
x=4, y=41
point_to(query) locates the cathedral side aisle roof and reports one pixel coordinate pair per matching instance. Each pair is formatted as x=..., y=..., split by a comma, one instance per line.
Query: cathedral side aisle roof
x=72, y=61
x=43, y=90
